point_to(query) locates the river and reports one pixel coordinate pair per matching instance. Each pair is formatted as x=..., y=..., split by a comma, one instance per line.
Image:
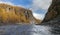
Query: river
x=25, y=30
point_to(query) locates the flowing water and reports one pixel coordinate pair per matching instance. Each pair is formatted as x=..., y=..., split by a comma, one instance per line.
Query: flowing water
x=25, y=30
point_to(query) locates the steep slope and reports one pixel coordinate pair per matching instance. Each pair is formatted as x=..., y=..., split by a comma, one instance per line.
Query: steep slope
x=53, y=11
x=12, y=15
x=52, y=17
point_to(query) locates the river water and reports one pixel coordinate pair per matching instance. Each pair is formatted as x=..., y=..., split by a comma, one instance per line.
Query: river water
x=25, y=30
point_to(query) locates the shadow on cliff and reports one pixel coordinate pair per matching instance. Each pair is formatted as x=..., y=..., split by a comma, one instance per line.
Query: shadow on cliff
x=52, y=17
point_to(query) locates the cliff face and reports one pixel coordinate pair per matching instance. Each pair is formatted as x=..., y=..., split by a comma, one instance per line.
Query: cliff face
x=52, y=17
x=53, y=11
x=13, y=15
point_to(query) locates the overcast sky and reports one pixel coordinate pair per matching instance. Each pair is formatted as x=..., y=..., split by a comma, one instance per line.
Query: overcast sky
x=38, y=7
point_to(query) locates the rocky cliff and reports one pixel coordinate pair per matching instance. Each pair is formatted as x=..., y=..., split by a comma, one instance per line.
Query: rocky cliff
x=16, y=15
x=53, y=11
x=52, y=17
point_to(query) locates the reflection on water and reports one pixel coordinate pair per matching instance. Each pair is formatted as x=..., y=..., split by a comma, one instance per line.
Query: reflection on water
x=24, y=30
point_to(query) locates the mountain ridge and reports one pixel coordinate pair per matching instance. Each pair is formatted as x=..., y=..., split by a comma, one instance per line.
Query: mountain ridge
x=14, y=14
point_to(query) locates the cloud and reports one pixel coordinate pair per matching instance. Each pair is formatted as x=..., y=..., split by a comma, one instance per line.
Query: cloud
x=6, y=2
x=44, y=4
x=38, y=16
x=35, y=6
x=10, y=3
x=40, y=4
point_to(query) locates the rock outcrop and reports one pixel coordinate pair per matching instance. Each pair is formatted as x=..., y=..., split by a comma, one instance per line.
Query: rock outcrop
x=53, y=11
x=52, y=17
x=16, y=15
